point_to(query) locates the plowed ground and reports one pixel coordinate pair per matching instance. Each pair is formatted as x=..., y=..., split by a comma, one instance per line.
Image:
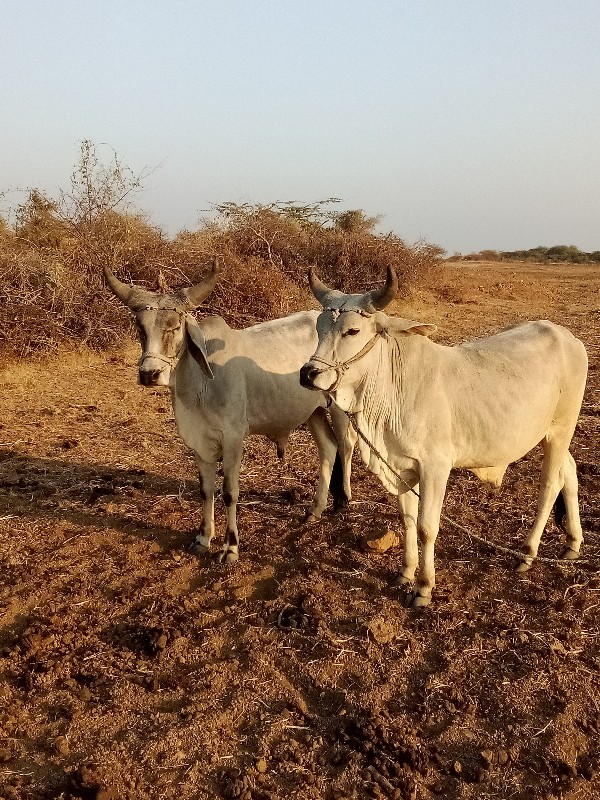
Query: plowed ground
x=131, y=669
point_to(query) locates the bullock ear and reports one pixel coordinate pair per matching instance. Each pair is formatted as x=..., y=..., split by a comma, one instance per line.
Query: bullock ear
x=407, y=326
x=422, y=329
x=197, y=346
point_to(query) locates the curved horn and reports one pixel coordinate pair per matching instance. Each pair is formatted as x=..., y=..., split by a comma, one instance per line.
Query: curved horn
x=118, y=288
x=317, y=287
x=380, y=298
x=196, y=294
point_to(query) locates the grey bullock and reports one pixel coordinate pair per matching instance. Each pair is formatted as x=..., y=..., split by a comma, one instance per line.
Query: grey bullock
x=428, y=408
x=227, y=384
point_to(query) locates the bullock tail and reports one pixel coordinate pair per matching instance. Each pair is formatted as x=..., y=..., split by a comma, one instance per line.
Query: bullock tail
x=336, y=485
x=560, y=511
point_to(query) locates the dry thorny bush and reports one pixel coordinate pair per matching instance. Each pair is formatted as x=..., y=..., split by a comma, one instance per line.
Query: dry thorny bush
x=51, y=285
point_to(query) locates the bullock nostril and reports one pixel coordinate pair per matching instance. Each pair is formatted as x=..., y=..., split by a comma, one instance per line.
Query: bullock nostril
x=148, y=377
x=307, y=375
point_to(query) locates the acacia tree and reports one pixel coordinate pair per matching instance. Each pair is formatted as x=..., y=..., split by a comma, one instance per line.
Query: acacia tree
x=354, y=221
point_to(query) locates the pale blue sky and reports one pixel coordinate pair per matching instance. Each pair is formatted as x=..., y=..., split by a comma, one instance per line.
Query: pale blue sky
x=469, y=123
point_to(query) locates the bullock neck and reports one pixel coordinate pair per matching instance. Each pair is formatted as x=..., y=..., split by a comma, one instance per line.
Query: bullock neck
x=187, y=378
x=398, y=372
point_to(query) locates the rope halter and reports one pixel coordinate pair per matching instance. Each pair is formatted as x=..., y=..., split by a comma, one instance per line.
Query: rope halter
x=170, y=360
x=340, y=367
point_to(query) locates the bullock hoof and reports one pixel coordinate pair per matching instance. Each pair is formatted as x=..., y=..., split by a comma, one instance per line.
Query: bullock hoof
x=569, y=554
x=421, y=602
x=200, y=549
x=227, y=557
x=401, y=580
x=340, y=505
x=524, y=566
x=309, y=519
x=416, y=600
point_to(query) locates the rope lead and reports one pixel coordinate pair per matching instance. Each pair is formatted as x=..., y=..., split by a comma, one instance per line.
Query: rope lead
x=521, y=556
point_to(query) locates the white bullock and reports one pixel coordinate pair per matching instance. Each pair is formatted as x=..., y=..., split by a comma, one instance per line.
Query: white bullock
x=428, y=408
x=227, y=384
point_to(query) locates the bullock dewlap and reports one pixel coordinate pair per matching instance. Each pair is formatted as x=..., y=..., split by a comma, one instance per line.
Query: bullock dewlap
x=227, y=384
x=427, y=408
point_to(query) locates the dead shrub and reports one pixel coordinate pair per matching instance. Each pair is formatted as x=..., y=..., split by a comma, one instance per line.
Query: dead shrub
x=52, y=289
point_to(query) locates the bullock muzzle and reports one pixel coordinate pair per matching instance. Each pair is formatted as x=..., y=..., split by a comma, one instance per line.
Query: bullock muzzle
x=151, y=373
x=308, y=373
x=150, y=377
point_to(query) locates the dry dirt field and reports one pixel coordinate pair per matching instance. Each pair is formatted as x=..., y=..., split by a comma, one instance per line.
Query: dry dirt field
x=130, y=669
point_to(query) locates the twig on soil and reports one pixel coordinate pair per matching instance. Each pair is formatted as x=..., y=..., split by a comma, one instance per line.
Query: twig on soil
x=545, y=728
x=76, y=536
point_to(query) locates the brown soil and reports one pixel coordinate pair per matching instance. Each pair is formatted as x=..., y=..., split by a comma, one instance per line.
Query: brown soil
x=130, y=669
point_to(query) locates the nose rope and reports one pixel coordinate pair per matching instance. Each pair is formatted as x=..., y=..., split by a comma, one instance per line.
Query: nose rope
x=149, y=354
x=340, y=367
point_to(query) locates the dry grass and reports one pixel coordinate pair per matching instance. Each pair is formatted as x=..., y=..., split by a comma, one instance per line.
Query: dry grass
x=51, y=286
x=131, y=669
x=52, y=291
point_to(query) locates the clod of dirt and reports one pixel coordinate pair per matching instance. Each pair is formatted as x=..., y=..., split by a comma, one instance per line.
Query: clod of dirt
x=235, y=785
x=107, y=794
x=381, y=541
x=5, y=755
x=391, y=757
x=61, y=745
x=382, y=630
x=493, y=757
x=145, y=640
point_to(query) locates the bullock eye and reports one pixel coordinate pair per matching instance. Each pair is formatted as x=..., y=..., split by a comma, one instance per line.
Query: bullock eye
x=351, y=332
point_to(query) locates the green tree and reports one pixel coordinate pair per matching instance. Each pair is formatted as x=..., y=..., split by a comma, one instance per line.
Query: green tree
x=354, y=221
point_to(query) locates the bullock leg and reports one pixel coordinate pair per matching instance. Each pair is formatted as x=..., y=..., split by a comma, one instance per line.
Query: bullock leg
x=551, y=482
x=232, y=461
x=433, y=488
x=346, y=439
x=570, y=522
x=327, y=446
x=408, y=507
x=207, y=474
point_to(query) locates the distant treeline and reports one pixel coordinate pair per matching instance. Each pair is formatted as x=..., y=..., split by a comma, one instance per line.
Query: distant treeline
x=560, y=253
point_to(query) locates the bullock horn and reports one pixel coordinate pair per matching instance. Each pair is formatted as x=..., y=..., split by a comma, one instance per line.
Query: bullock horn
x=118, y=288
x=380, y=298
x=196, y=294
x=317, y=287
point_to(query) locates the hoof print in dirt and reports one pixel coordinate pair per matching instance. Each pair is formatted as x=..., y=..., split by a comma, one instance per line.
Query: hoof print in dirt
x=148, y=641
x=293, y=618
x=87, y=783
x=234, y=784
x=391, y=759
